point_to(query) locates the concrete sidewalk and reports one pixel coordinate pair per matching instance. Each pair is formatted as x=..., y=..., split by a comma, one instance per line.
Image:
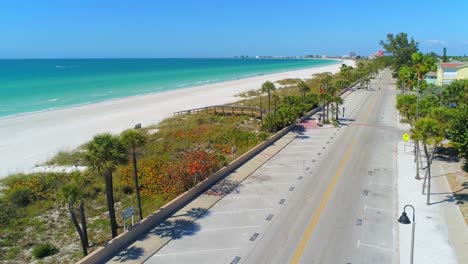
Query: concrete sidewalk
x=441, y=233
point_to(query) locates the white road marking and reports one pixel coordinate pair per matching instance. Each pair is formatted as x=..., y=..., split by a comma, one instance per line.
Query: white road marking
x=255, y=195
x=192, y=252
x=379, y=184
x=377, y=209
x=227, y=228
x=241, y=211
x=377, y=247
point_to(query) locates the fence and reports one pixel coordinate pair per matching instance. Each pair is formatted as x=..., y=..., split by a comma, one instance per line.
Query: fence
x=225, y=110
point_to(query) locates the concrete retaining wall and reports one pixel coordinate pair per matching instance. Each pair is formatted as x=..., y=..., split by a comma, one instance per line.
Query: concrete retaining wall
x=105, y=253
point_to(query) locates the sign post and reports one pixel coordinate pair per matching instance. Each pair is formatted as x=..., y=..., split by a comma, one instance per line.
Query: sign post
x=405, y=138
x=234, y=151
x=127, y=213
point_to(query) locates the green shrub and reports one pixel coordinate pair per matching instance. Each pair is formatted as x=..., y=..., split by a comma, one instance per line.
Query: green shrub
x=67, y=158
x=7, y=212
x=126, y=189
x=19, y=196
x=44, y=250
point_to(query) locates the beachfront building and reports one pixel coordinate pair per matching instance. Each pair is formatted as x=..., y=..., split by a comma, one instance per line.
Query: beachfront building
x=431, y=77
x=447, y=72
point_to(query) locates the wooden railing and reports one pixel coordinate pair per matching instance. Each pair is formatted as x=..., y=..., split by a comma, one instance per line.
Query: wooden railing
x=224, y=110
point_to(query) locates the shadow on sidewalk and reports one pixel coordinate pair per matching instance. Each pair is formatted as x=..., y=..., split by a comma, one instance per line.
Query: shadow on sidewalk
x=450, y=199
x=446, y=154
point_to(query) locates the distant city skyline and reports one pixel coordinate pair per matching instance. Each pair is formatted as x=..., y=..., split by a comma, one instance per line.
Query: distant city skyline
x=209, y=29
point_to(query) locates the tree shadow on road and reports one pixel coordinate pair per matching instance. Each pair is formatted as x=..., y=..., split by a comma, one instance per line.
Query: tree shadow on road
x=130, y=253
x=196, y=213
x=300, y=132
x=176, y=229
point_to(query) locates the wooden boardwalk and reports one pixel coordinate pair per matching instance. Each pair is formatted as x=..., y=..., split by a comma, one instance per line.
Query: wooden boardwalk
x=225, y=110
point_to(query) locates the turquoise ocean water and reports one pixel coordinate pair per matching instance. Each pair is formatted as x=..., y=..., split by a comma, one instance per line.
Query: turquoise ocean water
x=44, y=84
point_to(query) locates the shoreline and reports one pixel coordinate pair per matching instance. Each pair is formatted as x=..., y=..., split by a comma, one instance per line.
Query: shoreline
x=31, y=139
x=178, y=87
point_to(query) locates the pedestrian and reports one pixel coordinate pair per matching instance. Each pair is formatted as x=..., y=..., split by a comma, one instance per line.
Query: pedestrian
x=343, y=111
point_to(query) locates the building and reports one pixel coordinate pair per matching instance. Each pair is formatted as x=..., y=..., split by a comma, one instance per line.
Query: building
x=379, y=53
x=431, y=77
x=447, y=72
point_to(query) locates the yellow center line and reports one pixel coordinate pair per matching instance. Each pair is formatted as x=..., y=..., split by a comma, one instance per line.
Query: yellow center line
x=313, y=222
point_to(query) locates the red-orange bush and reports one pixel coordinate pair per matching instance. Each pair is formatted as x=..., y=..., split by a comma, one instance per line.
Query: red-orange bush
x=172, y=178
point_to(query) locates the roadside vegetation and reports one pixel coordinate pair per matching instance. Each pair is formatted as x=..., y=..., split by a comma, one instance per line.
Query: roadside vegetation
x=59, y=217
x=436, y=115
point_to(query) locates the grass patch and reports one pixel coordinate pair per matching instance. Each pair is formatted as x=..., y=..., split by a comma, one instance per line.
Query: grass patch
x=289, y=81
x=64, y=158
x=44, y=250
x=249, y=94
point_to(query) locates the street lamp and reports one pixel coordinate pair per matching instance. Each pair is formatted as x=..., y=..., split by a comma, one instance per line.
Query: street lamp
x=404, y=219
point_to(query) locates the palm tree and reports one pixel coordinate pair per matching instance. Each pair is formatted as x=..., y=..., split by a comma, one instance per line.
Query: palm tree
x=325, y=80
x=338, y=101
x=268, y=87
x=325, y=100
x=429, y=131
x=344, y=73
x=366, y=80
x=303, y=88
x=102, y=155
x=276, y=99
x=133, y=140
x=69, y=195
x=332, y=92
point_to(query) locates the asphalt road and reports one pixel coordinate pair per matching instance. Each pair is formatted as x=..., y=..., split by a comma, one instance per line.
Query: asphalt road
x=327, y=197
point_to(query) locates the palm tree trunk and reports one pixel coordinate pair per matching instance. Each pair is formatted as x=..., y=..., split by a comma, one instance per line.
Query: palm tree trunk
x=323, y=110
x=83, y=223
x=110, y=202
x=135, y=181
x=336, y=111
x=84, y=245
x=416, y=155
x=328, y=111
x=269, y=103
x=261, y=109
x=274, y=117
x=428, y=200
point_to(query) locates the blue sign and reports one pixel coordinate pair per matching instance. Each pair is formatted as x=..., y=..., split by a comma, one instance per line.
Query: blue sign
x=129, y=212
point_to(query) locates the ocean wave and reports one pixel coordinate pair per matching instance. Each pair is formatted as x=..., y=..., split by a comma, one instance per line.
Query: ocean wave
x=52, y=100
x=65, y=67
x=99, y=95
x=181, y=85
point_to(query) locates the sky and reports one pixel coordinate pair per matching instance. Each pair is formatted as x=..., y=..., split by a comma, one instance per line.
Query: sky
x=223, y=28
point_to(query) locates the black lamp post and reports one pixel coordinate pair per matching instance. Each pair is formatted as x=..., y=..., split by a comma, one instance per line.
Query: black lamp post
x=404, y=219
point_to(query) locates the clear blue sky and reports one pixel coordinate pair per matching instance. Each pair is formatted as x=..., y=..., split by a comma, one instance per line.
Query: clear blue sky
x=223, y=28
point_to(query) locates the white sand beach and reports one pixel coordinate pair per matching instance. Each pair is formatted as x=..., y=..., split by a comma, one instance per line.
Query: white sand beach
x=32, y=139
